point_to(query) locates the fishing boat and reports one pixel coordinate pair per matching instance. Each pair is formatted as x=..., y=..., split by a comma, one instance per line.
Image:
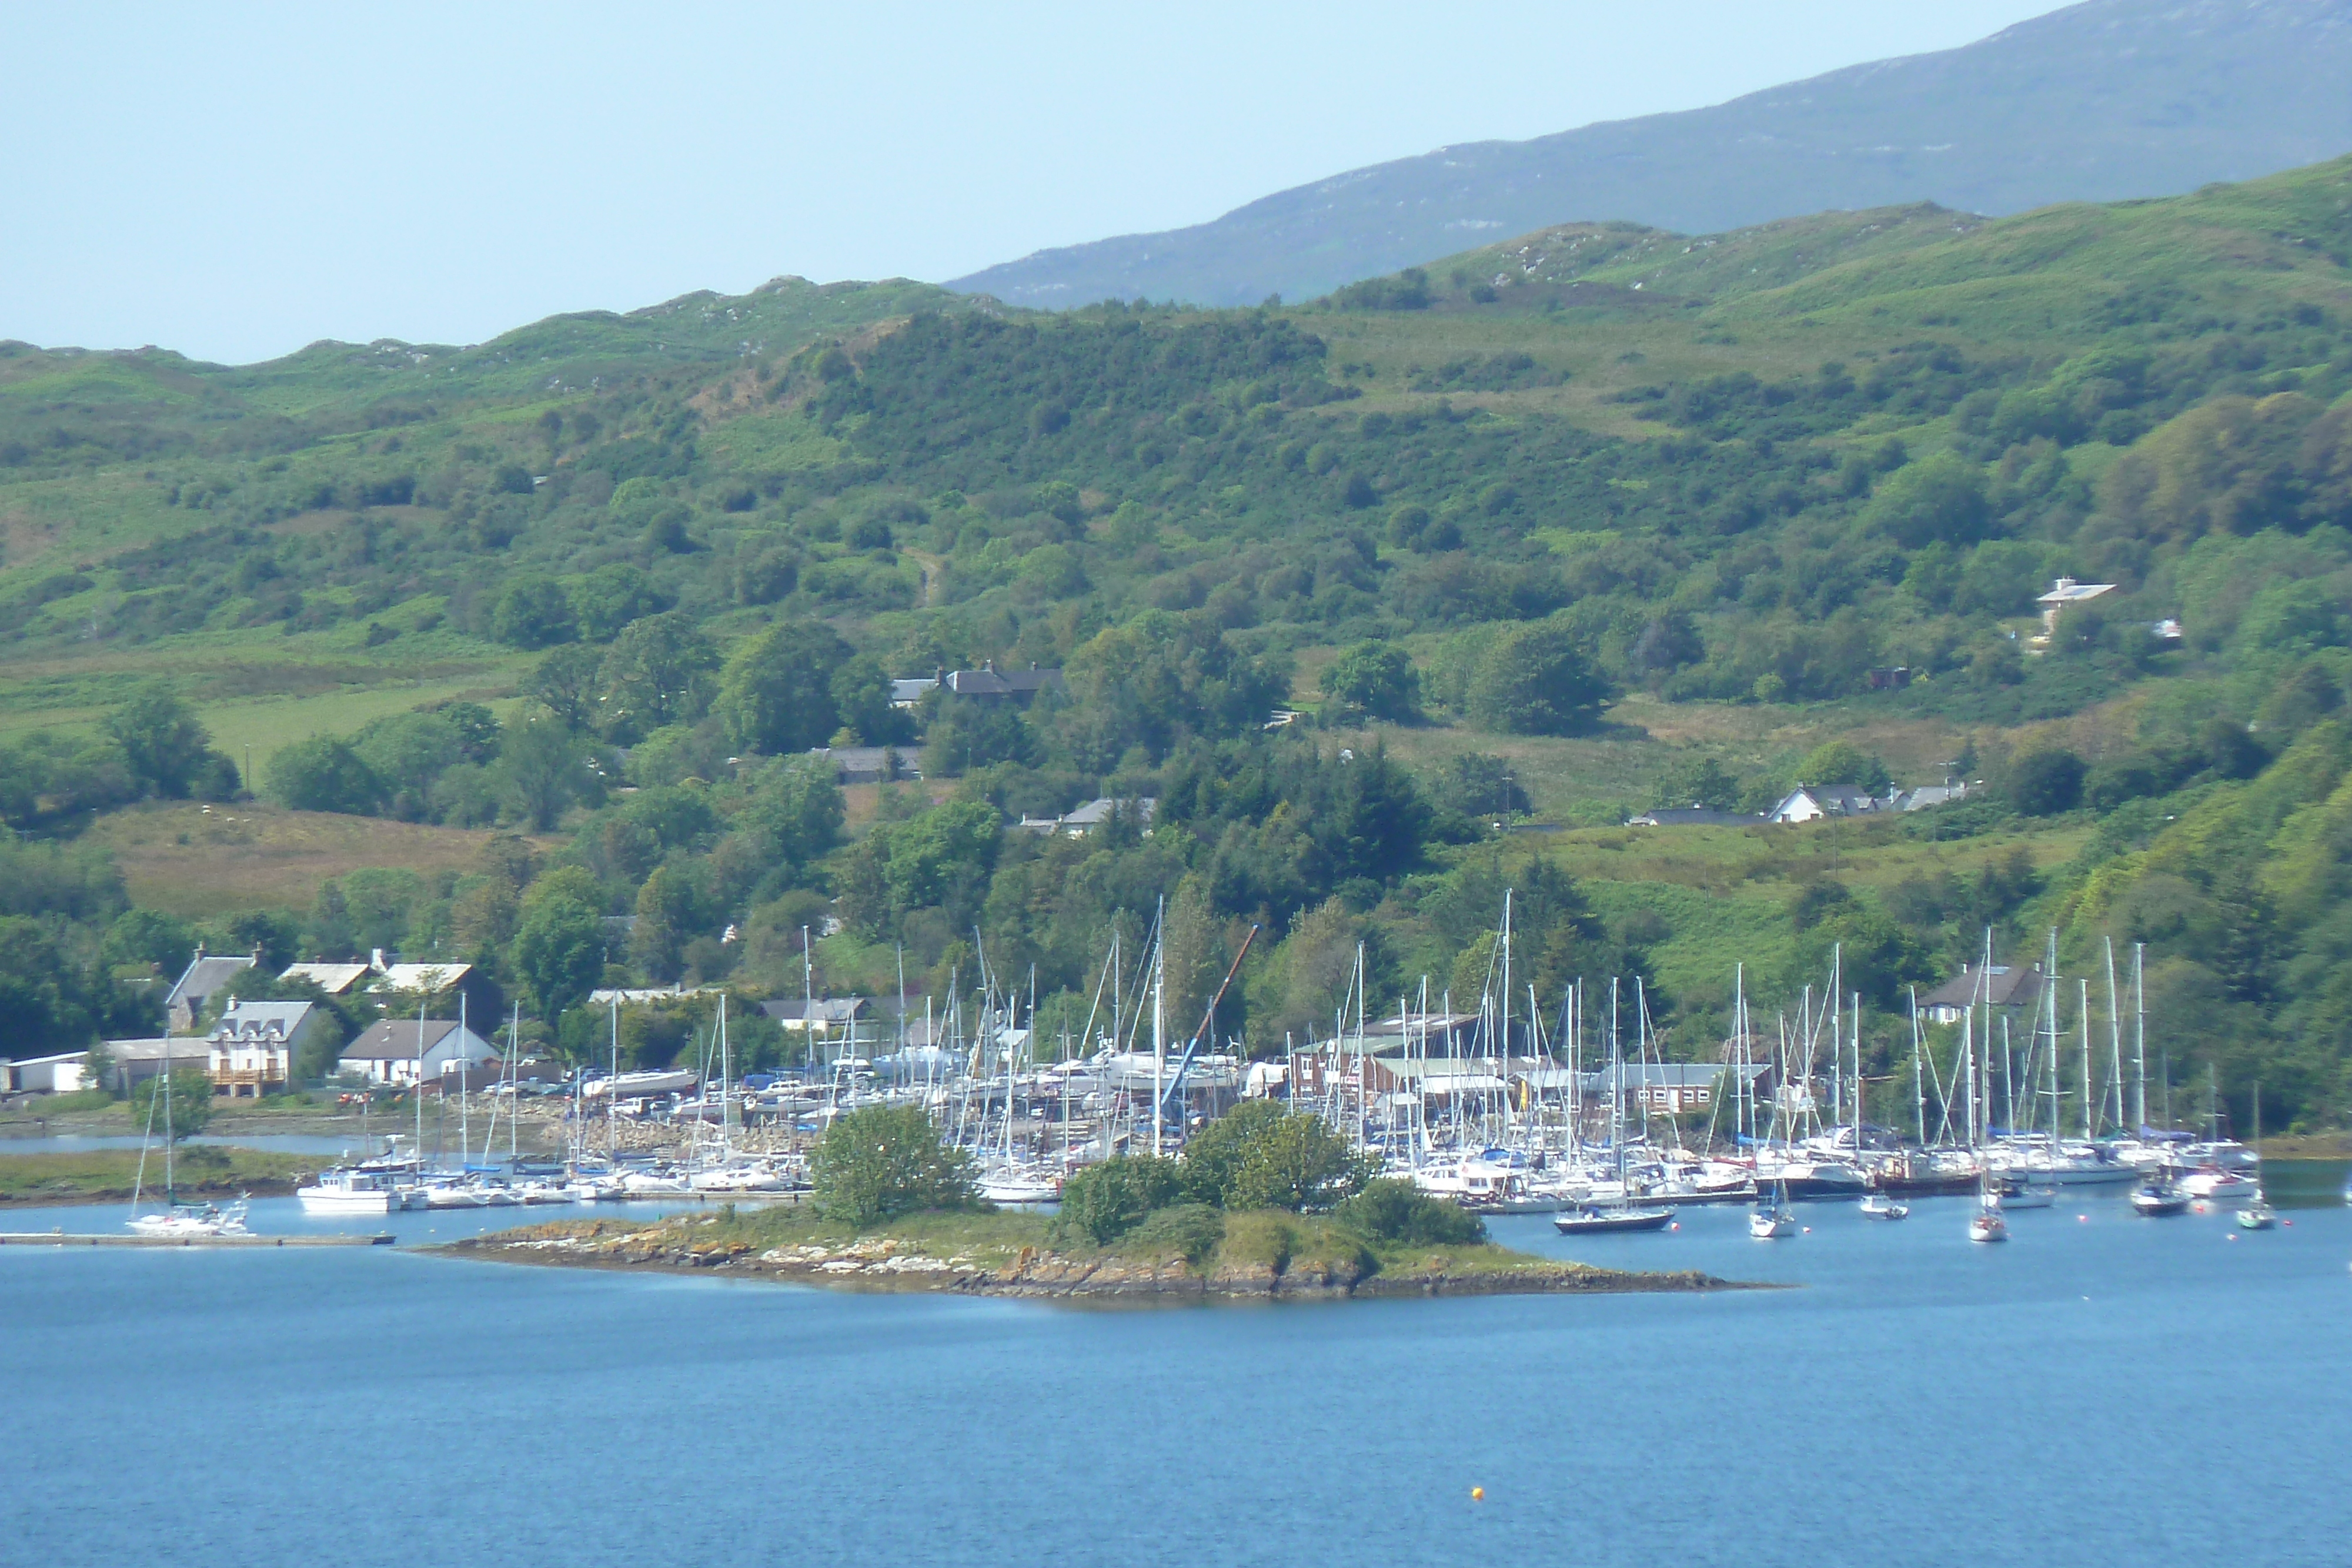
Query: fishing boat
x=1878, y=1205
x=352, y=1189
x=1772, y=1224
x=1594, y=1218
x=2158, y=1199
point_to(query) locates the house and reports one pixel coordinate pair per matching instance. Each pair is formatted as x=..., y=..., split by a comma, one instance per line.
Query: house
x=1927, y=795
x=865, y=764
x=910, y=693
x=256, y=1045
x=1671, y=1087
x=2001, y=985
x=2063, y=595
x=424, y=979
x=137, y=1061
x=1083, y=819
x=1812, y=802
x=398, y=1051
x=1691, y=817
x=60, y=1074
x=821, y=1018
x=990, y=684
x=200, y=982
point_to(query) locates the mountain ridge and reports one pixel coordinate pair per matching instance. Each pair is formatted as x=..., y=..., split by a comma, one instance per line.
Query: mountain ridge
x=2112, y=100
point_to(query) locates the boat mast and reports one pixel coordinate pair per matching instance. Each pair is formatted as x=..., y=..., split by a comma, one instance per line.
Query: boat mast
x=1159, y=1021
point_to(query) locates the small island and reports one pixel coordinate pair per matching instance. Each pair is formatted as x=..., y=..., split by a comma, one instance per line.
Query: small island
x=1262, y=1207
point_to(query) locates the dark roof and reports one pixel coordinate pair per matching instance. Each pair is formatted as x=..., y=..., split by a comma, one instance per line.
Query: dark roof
x=991, y=682
x=206, y=974
x=396, y=1039
x=1691, y=815
x=2006, y=985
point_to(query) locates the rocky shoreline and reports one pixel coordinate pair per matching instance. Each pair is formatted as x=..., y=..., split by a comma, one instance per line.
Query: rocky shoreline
x=885, y=1265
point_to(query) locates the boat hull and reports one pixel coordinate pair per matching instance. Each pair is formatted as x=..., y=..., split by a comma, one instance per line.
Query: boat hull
x=1602, y=1221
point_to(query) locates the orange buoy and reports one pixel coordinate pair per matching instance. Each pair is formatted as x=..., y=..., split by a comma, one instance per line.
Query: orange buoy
x=1477, y=1494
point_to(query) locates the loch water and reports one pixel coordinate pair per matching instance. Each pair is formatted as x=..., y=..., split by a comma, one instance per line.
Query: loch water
x=2101, y=1389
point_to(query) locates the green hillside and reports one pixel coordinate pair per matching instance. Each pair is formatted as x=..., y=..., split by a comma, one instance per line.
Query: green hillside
x=1596, y=520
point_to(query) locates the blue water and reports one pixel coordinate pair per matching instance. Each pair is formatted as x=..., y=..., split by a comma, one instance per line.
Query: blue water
x=2102, y=1390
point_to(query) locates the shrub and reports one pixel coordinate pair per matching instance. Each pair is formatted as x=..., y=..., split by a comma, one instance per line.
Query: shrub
x=324, y=774
x=1108, y=1200
x=2044, y=783
x=1535, y=681
x=1392, y=1211
x=1260, y=1157
x=1191, y=1229
x=884, y=1161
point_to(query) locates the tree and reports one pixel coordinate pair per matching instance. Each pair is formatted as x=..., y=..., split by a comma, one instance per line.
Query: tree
x=542, y=771
x=1213, y=1159
x=191, y=1104
x=559, y=949
x=861, y=701
x=324, y=774
x=161, y=742
x=144, y=937
x=775, y=695
x=46, y=1001
x=1940, y=497
x=408, y=751
x=2046, y=782
x=794, y=814
x=533, y=612
x=1843, y=762
x=884, y=1161
x=664, y=924
x=1534, y=680
x=610, y=598
x=1106, y=1201
x=566, y=682
x=1298, y=1162
x=656, y=673
x=1702, y=782
x=1374, y=680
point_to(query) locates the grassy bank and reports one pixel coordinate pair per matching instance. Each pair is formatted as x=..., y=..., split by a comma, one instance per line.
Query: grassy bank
x=109, y=1176
x=1191, y=1254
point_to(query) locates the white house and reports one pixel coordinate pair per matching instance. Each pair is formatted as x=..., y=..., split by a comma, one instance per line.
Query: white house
x=256, y=1045
x=1815, y=802
x=2065, y=593
x=396, y=1050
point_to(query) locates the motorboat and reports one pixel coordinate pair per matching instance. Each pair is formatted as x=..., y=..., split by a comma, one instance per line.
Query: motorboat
x=1594, y=1219
x=1814, y=1181
x=2215, y=1184
x=354, y=1189
x=2017, y=1193
x=1878, y=1205
x=2158, y=1199
x=1986, y=1225
x=2258, y=1215
x=192, y=1221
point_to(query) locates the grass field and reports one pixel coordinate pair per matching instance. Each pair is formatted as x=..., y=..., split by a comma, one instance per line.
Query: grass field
x=196, y=860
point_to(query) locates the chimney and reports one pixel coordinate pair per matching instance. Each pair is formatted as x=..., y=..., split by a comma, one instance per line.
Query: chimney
x=375, y=959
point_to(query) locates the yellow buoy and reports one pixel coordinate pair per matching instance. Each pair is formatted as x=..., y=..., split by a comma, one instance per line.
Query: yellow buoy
x=1477, y=1494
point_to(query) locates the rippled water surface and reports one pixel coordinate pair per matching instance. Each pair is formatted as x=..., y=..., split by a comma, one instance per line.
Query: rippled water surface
x=2102, y=1390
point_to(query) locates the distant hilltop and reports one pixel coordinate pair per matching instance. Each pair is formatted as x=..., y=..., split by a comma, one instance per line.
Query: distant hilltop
x=2105, y=101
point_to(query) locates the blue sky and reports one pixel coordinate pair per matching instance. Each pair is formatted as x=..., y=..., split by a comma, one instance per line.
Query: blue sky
x=237, y=181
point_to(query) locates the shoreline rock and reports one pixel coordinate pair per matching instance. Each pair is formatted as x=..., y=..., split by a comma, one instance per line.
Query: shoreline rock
x=882, y=1265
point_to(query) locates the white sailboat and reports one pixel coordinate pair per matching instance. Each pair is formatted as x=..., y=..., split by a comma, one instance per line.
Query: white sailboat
x=176, y=1221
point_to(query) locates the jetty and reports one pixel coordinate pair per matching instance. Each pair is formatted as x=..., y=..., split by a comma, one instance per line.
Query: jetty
x=65, y=1239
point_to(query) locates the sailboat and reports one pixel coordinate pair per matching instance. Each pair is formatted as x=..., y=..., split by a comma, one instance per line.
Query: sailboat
x=177, y=1220
x=1621, y=1214
x=2258, y=1215
x=1771, y=1224
x=1986, y=1224
x=2158, y=1199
